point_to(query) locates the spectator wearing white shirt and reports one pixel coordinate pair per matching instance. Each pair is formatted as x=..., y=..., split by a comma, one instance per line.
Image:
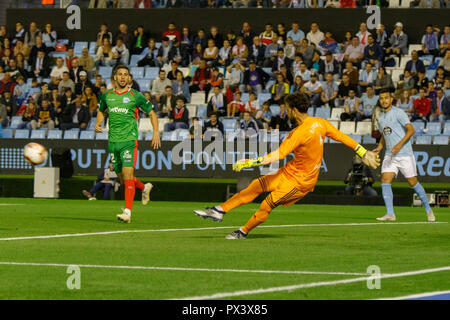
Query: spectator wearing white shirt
x=159, y=85
x=296, y=34
x=120, y=52
x=367, y=77
x=315, y=35
x=57, y=72
x=313, y=88
x=362, y=34
x=303, y=72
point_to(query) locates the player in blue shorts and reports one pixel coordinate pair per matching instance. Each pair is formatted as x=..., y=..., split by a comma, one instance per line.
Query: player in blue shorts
x=396, y=133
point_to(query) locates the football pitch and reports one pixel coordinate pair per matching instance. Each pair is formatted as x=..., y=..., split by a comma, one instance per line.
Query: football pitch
x=167, y=252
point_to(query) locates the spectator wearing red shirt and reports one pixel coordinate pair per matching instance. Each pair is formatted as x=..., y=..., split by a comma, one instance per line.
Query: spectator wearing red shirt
x=201, y=81
x=422, y=107
x=347, y=4
x=172, y=32
x=236, y=106
x=6, y=84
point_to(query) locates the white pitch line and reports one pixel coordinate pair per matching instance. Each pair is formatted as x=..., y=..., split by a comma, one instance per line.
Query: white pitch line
x=181, y=268
x=216, y=228
x=310, y=285
x=12, y=204
x=417, y=295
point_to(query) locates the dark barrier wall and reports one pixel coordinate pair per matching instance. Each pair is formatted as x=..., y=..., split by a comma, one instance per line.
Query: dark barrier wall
x=90, y=157
x=337, y=20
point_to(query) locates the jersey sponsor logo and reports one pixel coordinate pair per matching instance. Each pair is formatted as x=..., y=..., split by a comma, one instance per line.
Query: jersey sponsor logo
x=127, y=154
x=119, y=110
x=126, y=100
x=387, y=131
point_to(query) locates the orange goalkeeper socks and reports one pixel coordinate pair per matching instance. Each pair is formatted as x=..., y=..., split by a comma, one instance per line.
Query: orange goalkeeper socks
x=259, y=217
x=129, y=193
x=139, y=185
x=245, y=196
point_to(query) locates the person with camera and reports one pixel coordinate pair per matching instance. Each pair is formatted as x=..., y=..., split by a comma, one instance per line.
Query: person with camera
x=359, y=180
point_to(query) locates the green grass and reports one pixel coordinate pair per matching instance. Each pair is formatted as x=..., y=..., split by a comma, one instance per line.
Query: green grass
x=393, y=247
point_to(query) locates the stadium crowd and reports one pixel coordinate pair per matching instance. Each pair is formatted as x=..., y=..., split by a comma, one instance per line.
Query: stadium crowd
x=243, y=76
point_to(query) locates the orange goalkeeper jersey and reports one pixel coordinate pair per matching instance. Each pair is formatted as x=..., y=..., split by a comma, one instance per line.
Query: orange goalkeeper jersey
x=306, y=141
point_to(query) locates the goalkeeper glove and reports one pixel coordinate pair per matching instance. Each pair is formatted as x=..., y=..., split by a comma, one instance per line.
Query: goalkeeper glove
x=247, y=163
x=369, y=158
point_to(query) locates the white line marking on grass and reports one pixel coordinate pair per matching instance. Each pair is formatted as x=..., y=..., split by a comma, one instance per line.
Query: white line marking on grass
x=310, y=285
x=216, y=228
x=417, y=295
x=12, y=204
x=181, y=268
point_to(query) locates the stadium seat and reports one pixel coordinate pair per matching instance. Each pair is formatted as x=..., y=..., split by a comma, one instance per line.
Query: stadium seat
x=230, y=136
x=140, y=135
x=71, y=134
x=144, y=84
x=185, y=71
x=268, y=71
x=87, y=135
x=15, y=122
x=101, y=136
x=229, y=124
x=169, y=136
x=183, y=134
x=92, y=47
x=324, y=113
x=151, y=73
x=413, y=47
x=198, y=97
x=137, y=72
x=311, y=111
x=134, y=60
x=336, y=113
x=7, y=133
x=347, y=127
x=79, y=46
x=201, y=111
x=446, y=129
x=273, y=136
x=355, y=137
x=430, y=73
x=91, y=125
x=145, y=125
x=396, y=75
x=245, y=97
x=418, y=127
x=275, y=110
x=105, y=72
x=161, y=123
x=56, y=55
x=424, y=139
x=148, y=135
x=364, y=128
x=426, y=59
x=334, y=123
x=22, y=134
x=38, y=134
x=369, y=140
x=433, y=128
x=441, y=140
x=54, y=134
x=192, y=110
x=263, y=97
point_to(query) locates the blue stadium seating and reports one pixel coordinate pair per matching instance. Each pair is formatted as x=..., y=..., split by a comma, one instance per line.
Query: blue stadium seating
x=430, y=73
x=229, y=124
x=369, y=140
x=169, y=136
x=434, y=128
x=245, y=97
x=151, y=73
x=355, y=137
x=7, y=133
x=275, y=110
x=148, y=135
x=105, y=72
x=144, y=84
x=447, y=129
x=38, y=134
x=201, y=111
x=324, y=113
x=182, y=134
x=92, y=47
x=423, y=139
x=79, y=46
x=418, y=127
x=140, y=136
x=22, y=134
x=311, y=111
x=54, y=134
x=441, y=140
x=101, y=135
x=263, y=97
x=134, y=60
x=71, y=134
x=15, y=122
x=137, y=72
x=87, y=135
x=56, y=55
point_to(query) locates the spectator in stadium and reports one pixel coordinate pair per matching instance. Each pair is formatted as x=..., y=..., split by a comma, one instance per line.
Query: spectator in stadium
x=139, y=40
x=224, y=54
x=264, y=115
x=303, y=72
x=383, y=81
x=430, y=91
x=14, y=70
x=180, y=87
x=159, y=85
x=267, y=35
x=20, y=90
x=415, y=65
x=313, y=88
x=296, y=34
x=279, y=90
x=257, y=52
x=435, y=4
x=83, y=83
x=247, y=34
x=445, y=62
x=66, y=100
x=179, y=116
x=398, y=41
x=254, y=79
x=367, y=77
x=329, y=91
x=7, y=84
x=248, y=126
x=34, y=90
x=420, y=81
x=3, y=116
x=75, y=71
x=211, y=53
x=297, y=85
x=359, y=180
x=65, y=83
x=328, y=44
x=406, y=102
x=45, y=93
x=363, y=34
x=86, y=62
x=430, y=42
x=91, y=101
x=166, y=52
x=439, y=78
x=373, y=53
x=354, y=52
x=407, y=82
x=213, y=129
x=49, y=37
x=445, y=40
x=381, y=37
x=352, y=72
x=290, y=49
x=197, y=54
x=27, y=116
x=172, y=75
x=196, y=130
x=239, y=52
x=368, y=101
x=186, y=46
x=280, y=122
x=10, y=103
x=39, y=45
x=286, y=74
x=166, y=103
x=217, y=78
x=97, y=4
x=236, y=106
x=280, y=60
x=148, y=56
x=217, y=103
x=123, y=4
x=315, y=35
x=351, y=108
x=19, y=34
x=69, y=57
x=172, y=33
x=126, y=36
x=45, y=117
x=252, y=105
x=107, y=181
x=97, y=85
x=120, y=53
x=143, y=4
x=201, y=79
x=436, y=107
x=31, y=34
x=215, y=35
x=104, y=33
x=105, y=55
x=75, y=115
x=201, y=38
x=314, y=66
x=328, y=65
x=270, y=53
x=422, y=107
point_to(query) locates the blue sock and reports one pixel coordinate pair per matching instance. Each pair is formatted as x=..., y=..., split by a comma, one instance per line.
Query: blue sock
x=422, y=195
x=388, y=198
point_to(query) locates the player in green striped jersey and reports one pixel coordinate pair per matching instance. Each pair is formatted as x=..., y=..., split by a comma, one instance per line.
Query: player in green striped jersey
x=123, y=104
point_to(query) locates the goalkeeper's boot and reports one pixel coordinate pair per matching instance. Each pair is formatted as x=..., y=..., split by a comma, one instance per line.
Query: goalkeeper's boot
x=211, y=213
x=386, y=218
x=430, y=216
x=235, y=235
x=125, y=216
x=146, y=193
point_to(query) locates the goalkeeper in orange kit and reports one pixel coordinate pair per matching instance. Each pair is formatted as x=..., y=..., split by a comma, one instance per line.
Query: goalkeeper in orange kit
x=298, y=177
